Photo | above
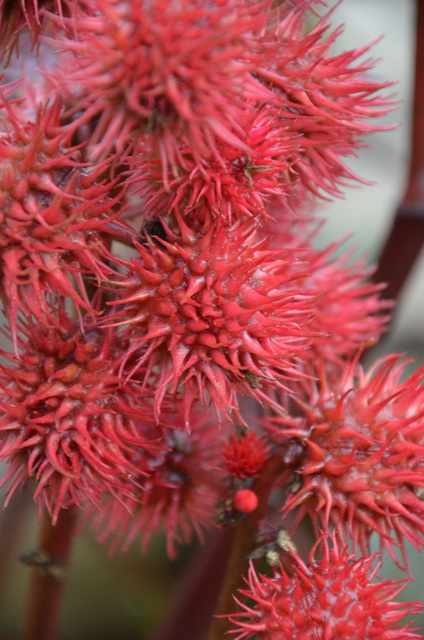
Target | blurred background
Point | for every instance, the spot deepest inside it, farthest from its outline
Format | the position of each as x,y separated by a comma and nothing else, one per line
124,597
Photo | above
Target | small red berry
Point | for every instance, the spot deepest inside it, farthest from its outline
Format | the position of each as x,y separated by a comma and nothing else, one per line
245,501
232,187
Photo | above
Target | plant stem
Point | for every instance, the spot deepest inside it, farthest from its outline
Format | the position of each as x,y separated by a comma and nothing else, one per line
196,594
47,578
243,544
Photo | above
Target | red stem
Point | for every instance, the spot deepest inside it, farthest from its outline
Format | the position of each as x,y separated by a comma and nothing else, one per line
415,189
47,579
406,237
196,594
243,544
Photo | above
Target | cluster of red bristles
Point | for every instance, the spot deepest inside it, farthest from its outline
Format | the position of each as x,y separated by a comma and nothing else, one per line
161,286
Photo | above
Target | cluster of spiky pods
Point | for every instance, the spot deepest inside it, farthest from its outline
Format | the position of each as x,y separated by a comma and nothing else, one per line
180,349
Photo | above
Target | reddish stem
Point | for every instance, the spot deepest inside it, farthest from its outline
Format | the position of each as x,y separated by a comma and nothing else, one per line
47,579
415,189
196,594
406,237
243,544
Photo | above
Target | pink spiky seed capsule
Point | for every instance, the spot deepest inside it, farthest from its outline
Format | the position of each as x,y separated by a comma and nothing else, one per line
362,469
54,216
178,72
68,420
330,598
179,494
214,311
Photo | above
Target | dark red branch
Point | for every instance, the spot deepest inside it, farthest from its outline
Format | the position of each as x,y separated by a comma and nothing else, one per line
244,543
196,594
48,573
407,234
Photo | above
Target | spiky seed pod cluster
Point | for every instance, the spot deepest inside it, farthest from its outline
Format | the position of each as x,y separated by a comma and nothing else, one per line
362,470
215,312
214,108
179,70
67,419
54,215
332,598
180,492
325,98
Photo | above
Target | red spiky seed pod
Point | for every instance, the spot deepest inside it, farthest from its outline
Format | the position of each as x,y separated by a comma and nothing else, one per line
15,15
216,312
331,598
234,186
324,98
178,70
362,469
54,216
67,419
349,313
245,455
179,495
